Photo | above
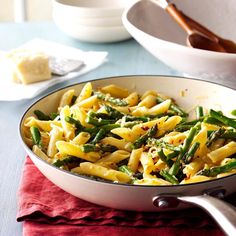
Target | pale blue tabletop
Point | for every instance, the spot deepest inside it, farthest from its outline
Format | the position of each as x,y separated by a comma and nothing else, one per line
125,58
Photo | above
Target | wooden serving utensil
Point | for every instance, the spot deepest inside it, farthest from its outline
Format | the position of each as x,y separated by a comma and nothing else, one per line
198,35
227,44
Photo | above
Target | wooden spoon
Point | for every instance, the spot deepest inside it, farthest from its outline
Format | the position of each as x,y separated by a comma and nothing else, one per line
195,39
198,35
227,44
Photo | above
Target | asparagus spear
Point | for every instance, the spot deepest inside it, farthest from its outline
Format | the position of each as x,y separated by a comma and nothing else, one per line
233,112
113,113
53,115
212,121
126,169
169,177
214,135
164,158
73,121
73,100
101,133
172,155
189,155
41,116
135,118
183,127
187,142
108,148
96,148
69,161
173,107
199,112
36,136
214,171
162,144
90,148
97,122
107,128
112,100
224,119
229,134
142,140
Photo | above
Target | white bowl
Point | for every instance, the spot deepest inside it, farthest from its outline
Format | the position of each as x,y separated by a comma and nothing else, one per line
156,31
94,34
92,21
85,21
92,8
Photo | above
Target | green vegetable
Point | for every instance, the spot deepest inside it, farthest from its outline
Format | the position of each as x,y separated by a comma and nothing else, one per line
125,169
136,118
53,115
90,119
106,128
229,134
90,148
108,148
233,112
36,136
214,171
224,119
130,124
214,135
41,116
70,162
73,121
172,155
143,139
199,112
113,113
112,100
100,135
96,148
164,158
169,177
162,144
73,100
174,107
187,142
189,155
212,121
183,127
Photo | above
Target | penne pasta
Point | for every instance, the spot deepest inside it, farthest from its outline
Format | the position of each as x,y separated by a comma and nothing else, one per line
66,98
68,129
56,134
75,150
85,93
88,168
125,136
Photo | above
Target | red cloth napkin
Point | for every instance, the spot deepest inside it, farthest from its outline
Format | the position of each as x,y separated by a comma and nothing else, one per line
45,209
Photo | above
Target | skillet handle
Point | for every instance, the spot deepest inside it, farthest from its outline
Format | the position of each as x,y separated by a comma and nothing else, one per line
223,213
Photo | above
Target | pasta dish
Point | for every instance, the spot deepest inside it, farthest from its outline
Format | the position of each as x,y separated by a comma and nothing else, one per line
112,134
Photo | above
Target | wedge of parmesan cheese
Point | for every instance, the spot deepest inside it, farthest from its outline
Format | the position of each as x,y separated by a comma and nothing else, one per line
27,66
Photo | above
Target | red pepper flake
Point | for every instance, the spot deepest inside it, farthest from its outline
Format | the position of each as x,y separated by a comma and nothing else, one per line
145,128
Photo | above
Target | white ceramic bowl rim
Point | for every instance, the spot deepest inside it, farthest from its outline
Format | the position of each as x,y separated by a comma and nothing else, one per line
93,5
103,181
192,51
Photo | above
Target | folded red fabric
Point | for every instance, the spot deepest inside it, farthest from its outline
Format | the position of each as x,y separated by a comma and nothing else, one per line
48,210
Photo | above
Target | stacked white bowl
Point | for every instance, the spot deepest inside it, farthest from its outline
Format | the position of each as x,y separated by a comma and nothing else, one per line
96,21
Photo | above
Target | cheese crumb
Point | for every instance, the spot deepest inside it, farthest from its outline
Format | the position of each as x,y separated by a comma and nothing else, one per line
27,66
